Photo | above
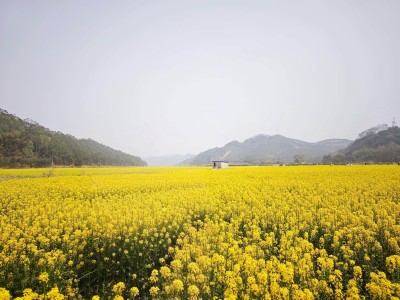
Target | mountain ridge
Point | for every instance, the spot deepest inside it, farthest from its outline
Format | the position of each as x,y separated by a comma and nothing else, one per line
269,149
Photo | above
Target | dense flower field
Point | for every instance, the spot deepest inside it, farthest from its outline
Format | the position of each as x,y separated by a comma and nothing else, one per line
309,232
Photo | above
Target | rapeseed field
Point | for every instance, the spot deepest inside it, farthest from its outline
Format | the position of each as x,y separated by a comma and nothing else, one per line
301,232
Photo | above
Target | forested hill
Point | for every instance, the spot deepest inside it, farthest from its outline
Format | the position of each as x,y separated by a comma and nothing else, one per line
25,143
372,146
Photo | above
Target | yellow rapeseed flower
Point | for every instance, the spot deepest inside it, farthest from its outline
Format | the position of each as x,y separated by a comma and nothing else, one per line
44,277
134,292
118,288
154,291
4,294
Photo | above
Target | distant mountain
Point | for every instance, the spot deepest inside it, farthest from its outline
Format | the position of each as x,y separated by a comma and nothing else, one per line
167,160
372,146
25,143
269,149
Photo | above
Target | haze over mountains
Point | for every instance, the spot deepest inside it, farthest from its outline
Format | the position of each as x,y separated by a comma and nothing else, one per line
25,143
167,160
378,144
269,149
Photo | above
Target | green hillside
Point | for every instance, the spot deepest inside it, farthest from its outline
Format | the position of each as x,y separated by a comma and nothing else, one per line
371,147
25,143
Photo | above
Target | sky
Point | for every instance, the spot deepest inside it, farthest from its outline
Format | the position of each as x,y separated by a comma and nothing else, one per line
173,77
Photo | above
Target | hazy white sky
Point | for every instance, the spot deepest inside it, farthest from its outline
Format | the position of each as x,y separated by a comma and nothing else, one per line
159,77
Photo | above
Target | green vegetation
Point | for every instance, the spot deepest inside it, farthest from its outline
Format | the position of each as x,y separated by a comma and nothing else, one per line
25,143
372,147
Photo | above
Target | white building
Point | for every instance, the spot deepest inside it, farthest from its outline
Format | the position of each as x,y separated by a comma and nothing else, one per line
220,164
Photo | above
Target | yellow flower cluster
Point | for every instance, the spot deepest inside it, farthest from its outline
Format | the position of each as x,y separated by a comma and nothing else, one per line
308,232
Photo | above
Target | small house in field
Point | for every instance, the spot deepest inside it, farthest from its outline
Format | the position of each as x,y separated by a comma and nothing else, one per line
220,164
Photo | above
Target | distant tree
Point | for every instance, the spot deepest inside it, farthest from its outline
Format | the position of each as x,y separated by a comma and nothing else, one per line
373,130
299,159
27,151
